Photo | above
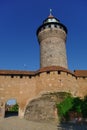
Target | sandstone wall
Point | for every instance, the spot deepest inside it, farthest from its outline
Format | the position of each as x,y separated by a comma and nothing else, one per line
52,47
17,88
52,81
82,82
26,88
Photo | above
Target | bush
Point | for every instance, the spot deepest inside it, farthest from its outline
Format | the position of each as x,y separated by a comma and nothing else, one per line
72,104
64,106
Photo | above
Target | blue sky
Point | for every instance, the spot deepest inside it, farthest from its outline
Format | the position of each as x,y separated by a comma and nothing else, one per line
19,20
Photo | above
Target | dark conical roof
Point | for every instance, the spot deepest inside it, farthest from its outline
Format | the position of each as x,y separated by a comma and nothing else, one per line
51,19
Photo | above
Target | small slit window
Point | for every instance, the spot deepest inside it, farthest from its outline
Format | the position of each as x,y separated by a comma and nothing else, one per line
55,26
49,26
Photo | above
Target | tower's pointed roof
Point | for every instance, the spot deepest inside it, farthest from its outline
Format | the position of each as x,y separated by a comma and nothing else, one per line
51,18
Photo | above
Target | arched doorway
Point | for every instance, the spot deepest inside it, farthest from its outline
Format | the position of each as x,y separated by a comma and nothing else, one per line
11,108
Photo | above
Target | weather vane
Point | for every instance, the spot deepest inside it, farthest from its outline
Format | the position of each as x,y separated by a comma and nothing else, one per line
50,11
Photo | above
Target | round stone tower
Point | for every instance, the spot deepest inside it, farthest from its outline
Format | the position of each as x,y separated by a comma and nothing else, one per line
52,38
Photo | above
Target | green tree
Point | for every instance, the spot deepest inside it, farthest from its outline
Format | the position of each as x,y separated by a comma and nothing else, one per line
77,105
84,107
14,108
65,106
72,104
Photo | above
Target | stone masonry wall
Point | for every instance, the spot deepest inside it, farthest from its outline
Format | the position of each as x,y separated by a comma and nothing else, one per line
44,108
82,82
52,47
26,88
17,88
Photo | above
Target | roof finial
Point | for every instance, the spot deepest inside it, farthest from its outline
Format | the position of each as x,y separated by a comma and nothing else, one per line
50,12
50,16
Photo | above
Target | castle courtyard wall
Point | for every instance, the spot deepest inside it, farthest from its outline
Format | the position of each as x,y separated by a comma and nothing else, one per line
82,82
26,88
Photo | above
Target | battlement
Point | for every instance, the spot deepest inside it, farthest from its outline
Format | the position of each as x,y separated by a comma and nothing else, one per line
48,70
51,26
30,84
34,73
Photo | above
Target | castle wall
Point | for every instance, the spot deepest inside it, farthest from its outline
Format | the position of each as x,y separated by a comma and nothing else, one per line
52,81
17,88
26,88
82,82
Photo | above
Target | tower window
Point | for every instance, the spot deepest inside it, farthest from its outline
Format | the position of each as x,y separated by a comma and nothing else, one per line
44,27
61,27
55,26
49,26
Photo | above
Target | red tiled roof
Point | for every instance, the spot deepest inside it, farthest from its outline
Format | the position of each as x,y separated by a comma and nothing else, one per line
55,68
45,69
16,72
80,73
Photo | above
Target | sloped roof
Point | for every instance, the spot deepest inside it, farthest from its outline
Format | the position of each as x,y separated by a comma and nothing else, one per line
80,73
77,73
45,69
16,72
55,68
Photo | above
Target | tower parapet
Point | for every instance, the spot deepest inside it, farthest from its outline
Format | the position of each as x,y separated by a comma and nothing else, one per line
52,38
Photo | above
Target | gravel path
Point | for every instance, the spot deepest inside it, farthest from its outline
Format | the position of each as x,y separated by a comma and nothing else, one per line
14,123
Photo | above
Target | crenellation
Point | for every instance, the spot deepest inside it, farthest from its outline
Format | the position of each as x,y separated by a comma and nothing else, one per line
43,74
63,73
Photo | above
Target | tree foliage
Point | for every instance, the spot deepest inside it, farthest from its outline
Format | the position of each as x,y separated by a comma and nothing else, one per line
77,105
74,104
84,107
14,108
65,106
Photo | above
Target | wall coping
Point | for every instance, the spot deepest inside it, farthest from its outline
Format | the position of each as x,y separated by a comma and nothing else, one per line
76,73
80,73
